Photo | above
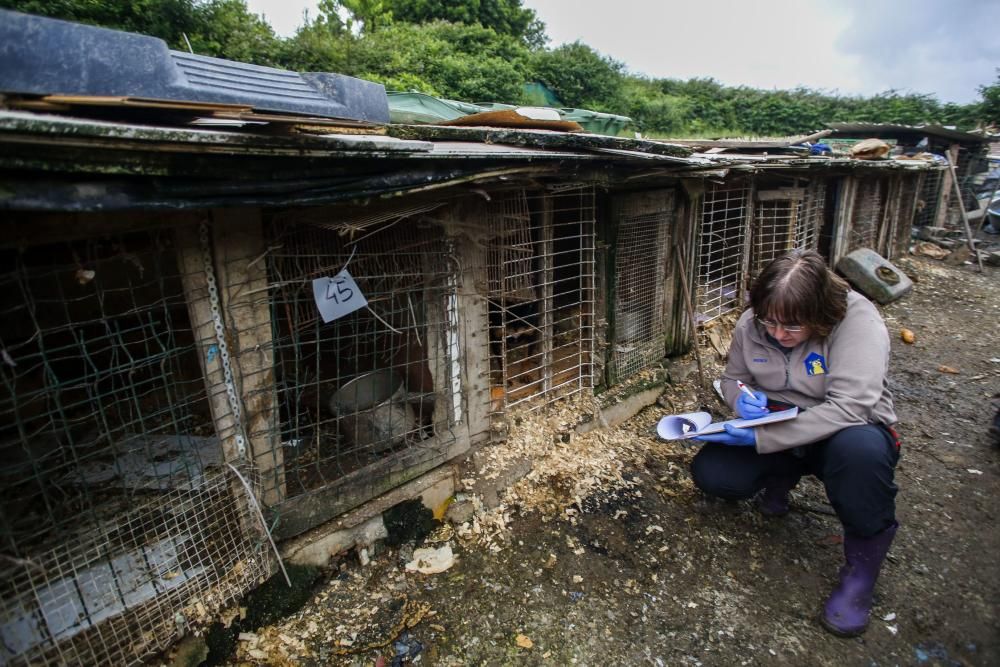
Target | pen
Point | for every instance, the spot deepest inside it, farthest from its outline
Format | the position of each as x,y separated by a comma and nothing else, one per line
745,389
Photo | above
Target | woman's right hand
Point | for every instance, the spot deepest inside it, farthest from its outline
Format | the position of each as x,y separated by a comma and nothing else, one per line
752,408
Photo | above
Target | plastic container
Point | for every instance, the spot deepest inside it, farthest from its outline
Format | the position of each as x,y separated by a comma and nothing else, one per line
373,412
874,276
596,122
43,56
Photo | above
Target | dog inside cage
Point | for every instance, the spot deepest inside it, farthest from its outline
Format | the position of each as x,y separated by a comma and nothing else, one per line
540,295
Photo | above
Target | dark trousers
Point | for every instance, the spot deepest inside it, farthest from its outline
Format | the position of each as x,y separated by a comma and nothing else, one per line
856,466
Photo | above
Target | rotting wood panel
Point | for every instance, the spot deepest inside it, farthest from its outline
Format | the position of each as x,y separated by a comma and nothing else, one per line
842,220
297,515
535,139
682,266
947,189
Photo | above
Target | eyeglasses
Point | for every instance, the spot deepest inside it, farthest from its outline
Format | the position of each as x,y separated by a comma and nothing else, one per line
771,324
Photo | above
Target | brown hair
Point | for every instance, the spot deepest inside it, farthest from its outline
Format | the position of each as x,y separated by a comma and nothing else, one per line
799,288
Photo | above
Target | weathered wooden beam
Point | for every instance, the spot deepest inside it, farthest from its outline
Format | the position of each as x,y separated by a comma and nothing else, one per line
191,262
241,272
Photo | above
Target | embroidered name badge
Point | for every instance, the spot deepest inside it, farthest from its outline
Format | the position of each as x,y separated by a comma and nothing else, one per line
815,364
760,360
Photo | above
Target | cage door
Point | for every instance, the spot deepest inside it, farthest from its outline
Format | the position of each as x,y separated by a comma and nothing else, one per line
638,298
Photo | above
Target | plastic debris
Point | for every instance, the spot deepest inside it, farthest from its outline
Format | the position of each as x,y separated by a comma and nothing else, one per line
431,561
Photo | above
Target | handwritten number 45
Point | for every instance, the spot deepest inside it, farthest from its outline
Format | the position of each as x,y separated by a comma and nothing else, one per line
338,292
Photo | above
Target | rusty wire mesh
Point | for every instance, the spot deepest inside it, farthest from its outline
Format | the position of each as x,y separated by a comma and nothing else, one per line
639,306
115,509
810,215
540,264
929,198
867,215
372,386
722,249
774,231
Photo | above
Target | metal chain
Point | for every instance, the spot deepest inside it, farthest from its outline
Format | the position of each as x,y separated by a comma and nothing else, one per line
220,337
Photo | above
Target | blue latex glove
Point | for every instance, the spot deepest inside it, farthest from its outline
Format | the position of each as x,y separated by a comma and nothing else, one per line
752,408
737,437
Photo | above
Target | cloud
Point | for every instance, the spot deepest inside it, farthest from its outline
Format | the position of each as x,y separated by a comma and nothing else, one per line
943,48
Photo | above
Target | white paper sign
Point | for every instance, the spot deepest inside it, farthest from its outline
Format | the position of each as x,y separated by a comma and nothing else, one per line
337,296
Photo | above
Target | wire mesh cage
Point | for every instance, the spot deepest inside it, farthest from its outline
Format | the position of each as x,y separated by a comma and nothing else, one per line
722,249
786,219
810,216
867,215
644,225
375,384
929,198
115,508
540,293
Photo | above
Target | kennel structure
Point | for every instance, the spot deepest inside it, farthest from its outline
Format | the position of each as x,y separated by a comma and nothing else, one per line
877,208
212,340
936,203
197,366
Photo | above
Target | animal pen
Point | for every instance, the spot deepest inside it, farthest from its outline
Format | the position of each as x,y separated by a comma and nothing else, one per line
184,382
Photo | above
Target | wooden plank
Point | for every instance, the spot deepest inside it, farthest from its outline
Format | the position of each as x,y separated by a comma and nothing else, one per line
843,219
297,515
945,193
241,273
192,267
142,102
782,194
473,318
545,290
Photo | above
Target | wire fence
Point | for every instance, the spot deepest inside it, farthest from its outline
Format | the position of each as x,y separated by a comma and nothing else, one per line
868,214
115,508
722,249
540,268
370,390
639,303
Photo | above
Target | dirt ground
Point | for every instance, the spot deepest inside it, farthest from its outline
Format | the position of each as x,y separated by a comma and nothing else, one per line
605,554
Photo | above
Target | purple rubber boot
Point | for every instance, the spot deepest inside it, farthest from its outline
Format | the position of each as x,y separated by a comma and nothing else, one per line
773,501
849,605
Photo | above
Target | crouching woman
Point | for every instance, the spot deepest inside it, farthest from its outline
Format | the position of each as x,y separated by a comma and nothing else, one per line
808,340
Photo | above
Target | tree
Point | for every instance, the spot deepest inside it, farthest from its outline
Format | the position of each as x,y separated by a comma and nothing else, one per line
989,108
362,16
322,44
506,17
222,28
227,29
580,76
166,19
463,62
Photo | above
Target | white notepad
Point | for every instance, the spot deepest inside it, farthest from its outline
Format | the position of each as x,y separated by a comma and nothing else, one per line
691,424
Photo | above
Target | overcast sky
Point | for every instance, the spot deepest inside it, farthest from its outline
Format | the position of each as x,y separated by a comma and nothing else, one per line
943,47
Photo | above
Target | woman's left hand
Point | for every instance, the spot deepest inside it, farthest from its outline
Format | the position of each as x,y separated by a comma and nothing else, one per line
737,437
